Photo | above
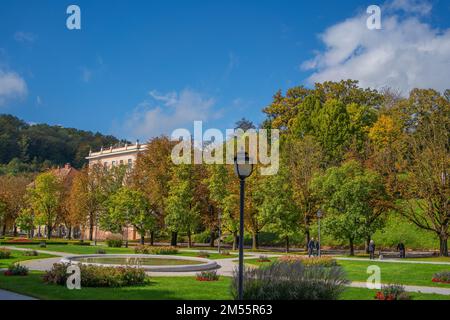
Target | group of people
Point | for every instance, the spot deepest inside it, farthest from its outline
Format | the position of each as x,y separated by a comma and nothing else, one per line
313,248
400,248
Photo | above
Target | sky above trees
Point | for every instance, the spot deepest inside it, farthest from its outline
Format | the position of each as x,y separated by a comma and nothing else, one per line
140,69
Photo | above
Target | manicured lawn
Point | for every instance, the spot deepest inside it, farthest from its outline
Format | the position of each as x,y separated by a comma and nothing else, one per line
159,288
17,256
404,273
255,262
75,249
80,249
365,294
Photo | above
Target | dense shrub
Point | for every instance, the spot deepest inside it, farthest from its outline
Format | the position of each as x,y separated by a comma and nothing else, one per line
155,250
16,270
263,258
208,276
313,261
114,241
392,292
5,254
291,281
80,243
203,254
30,253
97,276
442,277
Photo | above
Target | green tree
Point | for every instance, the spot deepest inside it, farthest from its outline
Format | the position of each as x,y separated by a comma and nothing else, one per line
26,221
278,207
130,207
182,210
354,200
45,199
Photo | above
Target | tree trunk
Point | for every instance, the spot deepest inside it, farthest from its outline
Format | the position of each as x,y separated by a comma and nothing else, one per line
367,244
211,241
235,240
152,238
352,248
69,233
443,246
143,238
15,230
308,237
174,240
287,244
254,241
49,232
91,231
4,229
189,239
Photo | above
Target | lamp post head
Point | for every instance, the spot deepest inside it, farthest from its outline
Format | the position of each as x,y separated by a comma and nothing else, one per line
243,166
319,213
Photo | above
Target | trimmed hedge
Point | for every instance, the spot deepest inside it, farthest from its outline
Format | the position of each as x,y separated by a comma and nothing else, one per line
97,276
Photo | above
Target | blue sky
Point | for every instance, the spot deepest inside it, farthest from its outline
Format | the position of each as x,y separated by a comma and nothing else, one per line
141,68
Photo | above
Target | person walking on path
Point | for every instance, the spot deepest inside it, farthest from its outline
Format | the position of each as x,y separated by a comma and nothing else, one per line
372,250
402,250
311,247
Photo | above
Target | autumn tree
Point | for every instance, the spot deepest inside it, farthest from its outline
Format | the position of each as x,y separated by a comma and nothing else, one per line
12,194
426,184
182,213
151,175
303,158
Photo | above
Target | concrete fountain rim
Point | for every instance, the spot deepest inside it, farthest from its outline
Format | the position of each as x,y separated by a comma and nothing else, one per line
206,264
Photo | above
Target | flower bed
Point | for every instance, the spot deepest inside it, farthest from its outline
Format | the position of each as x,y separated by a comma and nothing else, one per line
16,270
442,277
392,292
208,276
5,254
314,261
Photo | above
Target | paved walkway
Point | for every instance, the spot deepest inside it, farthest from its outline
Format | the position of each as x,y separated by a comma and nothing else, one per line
7,295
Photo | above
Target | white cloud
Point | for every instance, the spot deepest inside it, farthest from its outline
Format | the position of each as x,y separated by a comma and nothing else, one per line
167,112
405,54
11,86
421,7
25,37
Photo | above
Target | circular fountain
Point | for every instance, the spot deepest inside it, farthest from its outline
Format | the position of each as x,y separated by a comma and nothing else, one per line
152,263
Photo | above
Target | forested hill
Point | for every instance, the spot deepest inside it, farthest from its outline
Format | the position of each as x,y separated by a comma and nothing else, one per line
29,148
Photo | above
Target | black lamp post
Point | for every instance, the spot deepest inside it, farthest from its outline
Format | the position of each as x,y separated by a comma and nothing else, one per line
243,168
319,215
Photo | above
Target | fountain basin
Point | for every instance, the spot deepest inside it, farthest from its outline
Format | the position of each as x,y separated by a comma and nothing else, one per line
151,263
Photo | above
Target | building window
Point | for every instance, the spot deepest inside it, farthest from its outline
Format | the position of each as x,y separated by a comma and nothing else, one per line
121,162
130,163
113,163
105,165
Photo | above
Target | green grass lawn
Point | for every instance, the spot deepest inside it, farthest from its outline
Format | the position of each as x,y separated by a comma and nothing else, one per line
75,249
159,288
17,256
404,273
365,294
